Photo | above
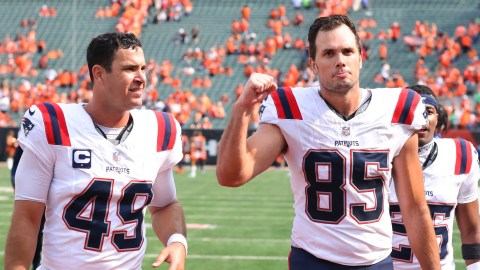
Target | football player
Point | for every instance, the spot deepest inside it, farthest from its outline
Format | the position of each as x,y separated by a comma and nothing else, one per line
95,168
451,173
342,144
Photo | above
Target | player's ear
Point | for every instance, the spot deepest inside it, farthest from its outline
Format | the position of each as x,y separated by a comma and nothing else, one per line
312,65
97,71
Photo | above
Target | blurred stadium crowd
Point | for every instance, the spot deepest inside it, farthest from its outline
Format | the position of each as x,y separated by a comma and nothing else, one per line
197,62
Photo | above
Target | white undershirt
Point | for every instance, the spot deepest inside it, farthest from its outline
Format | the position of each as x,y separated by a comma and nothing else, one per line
424,151
111,133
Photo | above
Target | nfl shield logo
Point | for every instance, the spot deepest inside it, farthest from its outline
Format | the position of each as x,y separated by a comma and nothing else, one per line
116,156
345,131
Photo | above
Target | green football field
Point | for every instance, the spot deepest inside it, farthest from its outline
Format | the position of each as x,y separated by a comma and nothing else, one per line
228,228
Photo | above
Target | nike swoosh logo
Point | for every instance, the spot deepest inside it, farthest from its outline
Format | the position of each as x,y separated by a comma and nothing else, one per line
31,112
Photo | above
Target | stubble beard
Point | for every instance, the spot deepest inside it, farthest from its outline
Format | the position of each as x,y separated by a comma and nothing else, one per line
339,87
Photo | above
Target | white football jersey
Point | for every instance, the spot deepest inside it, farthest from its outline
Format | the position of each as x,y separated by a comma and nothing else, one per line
451,179
341,170
97,196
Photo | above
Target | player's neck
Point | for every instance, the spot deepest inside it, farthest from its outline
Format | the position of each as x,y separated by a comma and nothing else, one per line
353,105
427,154
106,118
345,104
425,149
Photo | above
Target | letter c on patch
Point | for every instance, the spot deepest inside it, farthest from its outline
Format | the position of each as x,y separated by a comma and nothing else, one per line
81,158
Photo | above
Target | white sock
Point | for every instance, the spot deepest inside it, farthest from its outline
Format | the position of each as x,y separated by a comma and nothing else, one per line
193,172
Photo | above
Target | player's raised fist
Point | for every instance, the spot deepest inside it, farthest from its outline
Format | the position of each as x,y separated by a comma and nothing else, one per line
257,88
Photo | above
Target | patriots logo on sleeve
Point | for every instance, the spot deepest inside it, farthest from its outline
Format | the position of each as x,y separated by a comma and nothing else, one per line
27,125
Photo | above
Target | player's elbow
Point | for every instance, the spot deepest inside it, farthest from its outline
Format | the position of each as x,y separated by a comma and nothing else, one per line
228,179
229,183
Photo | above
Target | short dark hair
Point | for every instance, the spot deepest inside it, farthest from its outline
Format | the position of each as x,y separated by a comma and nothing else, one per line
443,121
102,49
422,90
327,24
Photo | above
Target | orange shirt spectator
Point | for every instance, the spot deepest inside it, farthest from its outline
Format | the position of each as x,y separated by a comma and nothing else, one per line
460,89
236,27
53,12
207,83
282,11
109,12
176,83
390,83
100,12
299,19
244,25
245,12
270,46
398,80
274,14
383,51
299,44
465,119
395,30
445,59
277,27
196,82
64,79
230,46
248,70
54,54
466,43
206,124
44,11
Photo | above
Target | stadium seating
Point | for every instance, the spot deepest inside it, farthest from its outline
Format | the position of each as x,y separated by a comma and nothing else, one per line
75,24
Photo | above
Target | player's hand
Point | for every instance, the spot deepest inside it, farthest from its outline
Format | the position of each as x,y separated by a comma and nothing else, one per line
257,88
174,254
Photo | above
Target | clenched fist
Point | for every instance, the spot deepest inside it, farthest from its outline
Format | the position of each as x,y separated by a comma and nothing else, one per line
257,88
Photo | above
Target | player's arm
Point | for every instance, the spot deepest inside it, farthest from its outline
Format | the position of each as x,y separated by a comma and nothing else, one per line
28,211
168,222
22,237
410,190
469,226
240,159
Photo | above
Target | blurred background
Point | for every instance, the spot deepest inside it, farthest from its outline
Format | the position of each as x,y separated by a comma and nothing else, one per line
200,52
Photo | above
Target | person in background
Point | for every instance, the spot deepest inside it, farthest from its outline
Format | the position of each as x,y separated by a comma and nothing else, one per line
451,173
198,154
343,144
10,145
186,154
95,168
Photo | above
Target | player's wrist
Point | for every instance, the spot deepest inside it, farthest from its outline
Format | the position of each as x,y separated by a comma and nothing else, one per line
178,238
474,266
243,109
